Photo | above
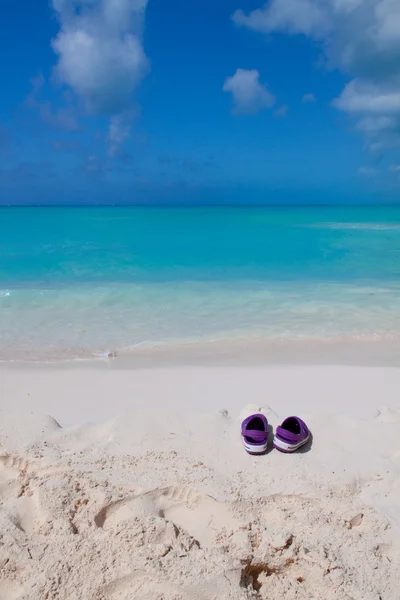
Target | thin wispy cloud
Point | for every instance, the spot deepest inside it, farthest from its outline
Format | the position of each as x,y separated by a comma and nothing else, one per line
248,94
94,166
187,163
27,171
309,98
368,171
119,131
282,111
68,146
64,117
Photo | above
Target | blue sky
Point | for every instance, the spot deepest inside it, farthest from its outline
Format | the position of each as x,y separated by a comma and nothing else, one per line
136,101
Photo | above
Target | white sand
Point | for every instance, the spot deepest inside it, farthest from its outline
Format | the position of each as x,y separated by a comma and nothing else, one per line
162,502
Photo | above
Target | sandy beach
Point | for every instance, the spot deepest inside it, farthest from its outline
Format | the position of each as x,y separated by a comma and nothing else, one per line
200,300
127,483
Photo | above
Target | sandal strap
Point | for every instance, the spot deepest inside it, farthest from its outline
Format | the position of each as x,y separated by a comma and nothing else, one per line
255,434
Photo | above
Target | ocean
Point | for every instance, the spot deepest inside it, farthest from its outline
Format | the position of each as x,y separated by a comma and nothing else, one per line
81,282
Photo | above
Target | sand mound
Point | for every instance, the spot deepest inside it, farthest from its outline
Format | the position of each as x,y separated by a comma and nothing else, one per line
81,519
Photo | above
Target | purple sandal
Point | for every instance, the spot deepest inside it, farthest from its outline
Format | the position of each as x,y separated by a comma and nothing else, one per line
291,435
255,434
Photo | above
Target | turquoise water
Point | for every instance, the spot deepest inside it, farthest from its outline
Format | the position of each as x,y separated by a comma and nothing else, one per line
82,281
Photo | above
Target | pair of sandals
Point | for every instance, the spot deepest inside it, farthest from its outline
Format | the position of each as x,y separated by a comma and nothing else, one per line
289,437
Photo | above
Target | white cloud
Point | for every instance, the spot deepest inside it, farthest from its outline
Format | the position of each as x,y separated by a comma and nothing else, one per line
371,125
307,98
292,16
360,37
100,52
395,168
362,96
249,95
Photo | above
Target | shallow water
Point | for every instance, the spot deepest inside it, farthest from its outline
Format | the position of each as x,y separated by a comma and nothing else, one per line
81,281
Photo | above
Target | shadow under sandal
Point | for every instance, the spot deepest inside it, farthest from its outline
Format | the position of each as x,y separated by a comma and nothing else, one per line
291,435
255,434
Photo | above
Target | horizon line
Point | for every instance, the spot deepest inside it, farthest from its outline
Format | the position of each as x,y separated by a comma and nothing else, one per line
211,205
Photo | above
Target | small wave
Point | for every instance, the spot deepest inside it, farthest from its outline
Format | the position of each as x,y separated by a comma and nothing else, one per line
5,293
352,226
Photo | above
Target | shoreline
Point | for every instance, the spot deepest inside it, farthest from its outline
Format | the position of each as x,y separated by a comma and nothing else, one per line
235,353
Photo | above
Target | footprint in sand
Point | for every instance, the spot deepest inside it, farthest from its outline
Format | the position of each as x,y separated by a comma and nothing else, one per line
148,586
26,514
140,584
201,516
16,463
12,465
11,469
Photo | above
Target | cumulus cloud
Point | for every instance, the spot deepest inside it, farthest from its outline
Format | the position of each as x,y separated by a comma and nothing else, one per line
100,52
249,95
363,96
360,37
293,16
372,124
